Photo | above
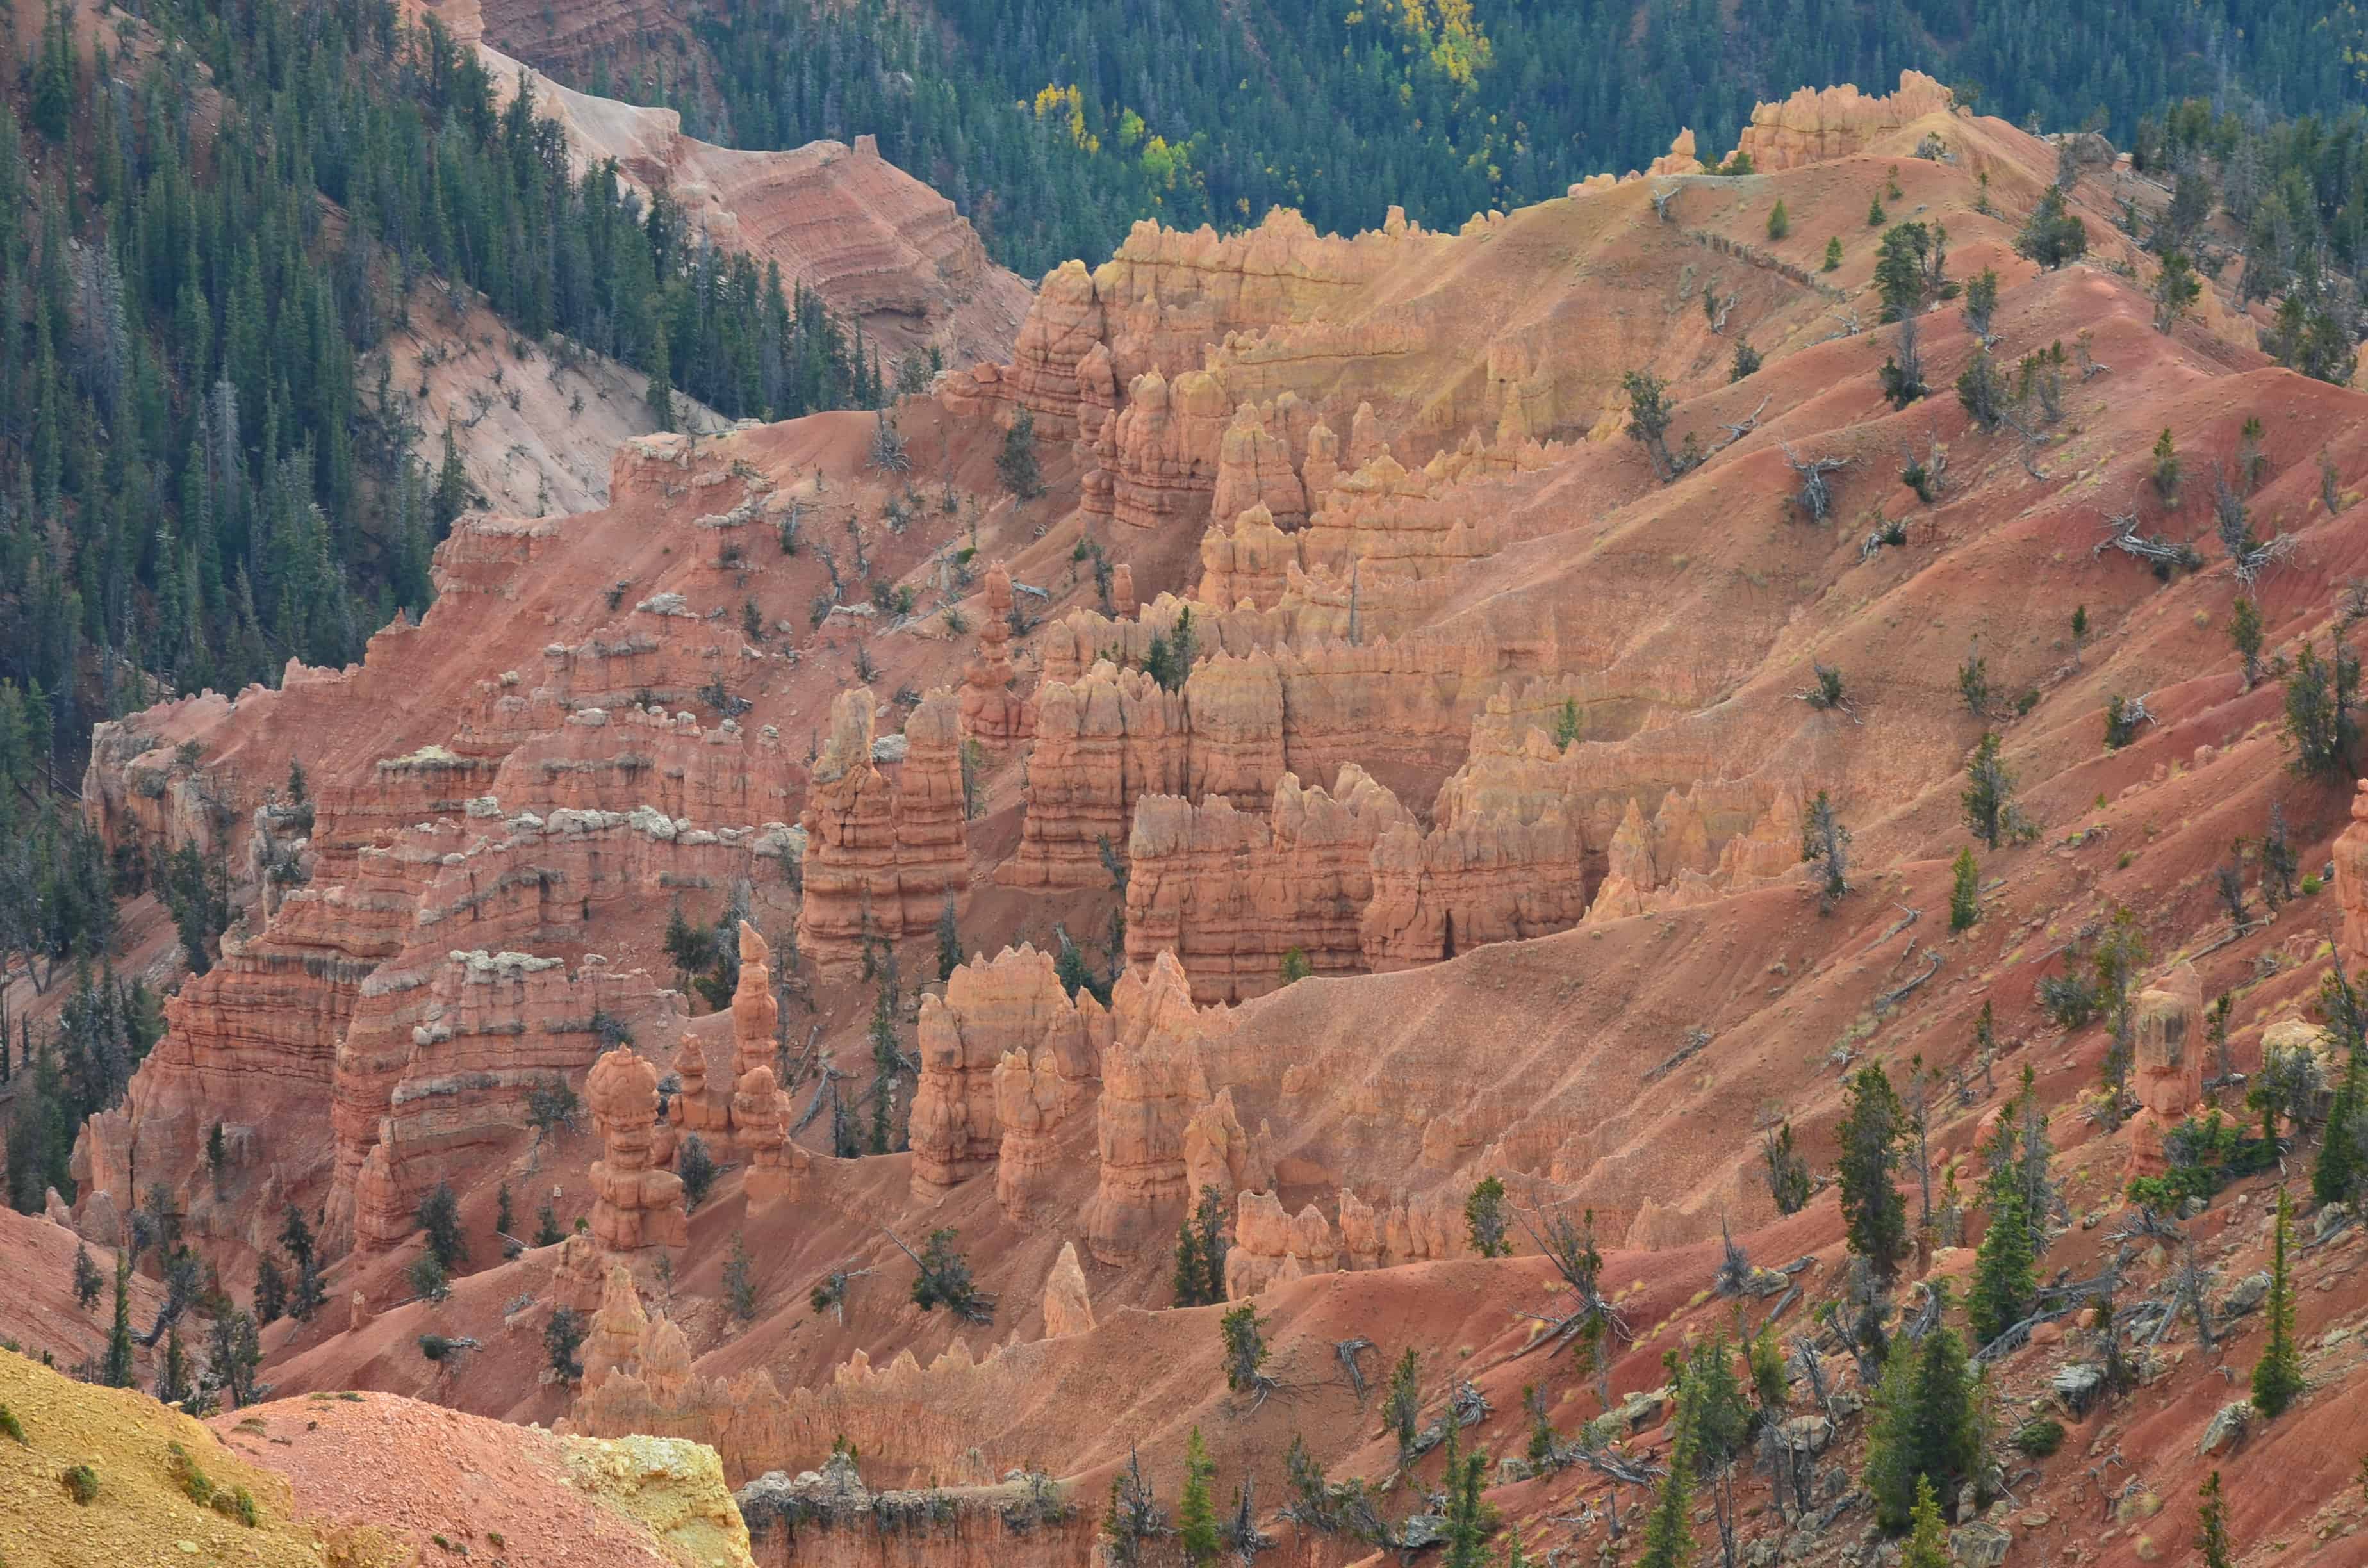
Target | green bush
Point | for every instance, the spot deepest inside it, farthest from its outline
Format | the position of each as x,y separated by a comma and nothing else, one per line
2040,1438
81,1484
9,1425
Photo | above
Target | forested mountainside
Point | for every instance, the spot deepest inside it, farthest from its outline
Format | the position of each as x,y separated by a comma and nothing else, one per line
1056,124
207,225
211,216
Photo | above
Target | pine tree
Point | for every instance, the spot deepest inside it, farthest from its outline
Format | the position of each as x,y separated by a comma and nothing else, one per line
2004,1289
950,954
1196,1513
270,1292
2212,1525
296,1239
1190,1271
172,1377
1780,222
739,1280
1017,464
117,1371
1833,255
1668,1537
1468,1519
439,1217
660,394
1927,1538
1483,1218
2277,1377
87,1281
1927,1426
1403,1404
1988,796
1873,1213
1964,892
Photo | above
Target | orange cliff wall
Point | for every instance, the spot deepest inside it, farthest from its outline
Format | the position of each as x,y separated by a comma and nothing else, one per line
1231,892
883,855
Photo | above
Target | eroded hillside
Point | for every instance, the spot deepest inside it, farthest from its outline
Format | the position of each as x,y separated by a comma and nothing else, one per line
1375,773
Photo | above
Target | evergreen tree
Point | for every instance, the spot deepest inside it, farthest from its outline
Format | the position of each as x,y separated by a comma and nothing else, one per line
270,1292
2212,1525
1668,1534
698,1170
2053,235
116,1372
1988,796
1926,1428
439,1217
87,1281
1874,1214
1468,1519
739,1280
1017,464
1196,1513
2004,1289
172,1377
1483,1218
296,1239
660,392
1403,1404
1964,892
1927,1538
1833,255
949,953
2277,1377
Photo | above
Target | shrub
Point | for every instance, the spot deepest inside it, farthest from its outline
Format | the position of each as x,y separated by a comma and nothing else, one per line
562,1337
696,1168
2040,1438
427,1278
10,1427
194,1483
81,1482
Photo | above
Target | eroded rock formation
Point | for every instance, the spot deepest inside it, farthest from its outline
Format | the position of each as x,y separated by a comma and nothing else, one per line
2167,1062
1815,124
991,713
634,1204
882,854
1232,893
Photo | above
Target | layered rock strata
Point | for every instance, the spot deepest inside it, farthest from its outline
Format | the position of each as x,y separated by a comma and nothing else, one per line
1232,893
882,854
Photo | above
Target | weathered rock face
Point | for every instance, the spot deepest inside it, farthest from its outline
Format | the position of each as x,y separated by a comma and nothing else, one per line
1379,530
881,851
1483,878
1220,1157
1067,1308
1273,1247
2352,881
1260,706
1815,124
1102,742
445,1058
2167,1063
1038,1093
1230,893
1152,1079
634,1204
740,1105
991,713
1256,466
1013,1008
